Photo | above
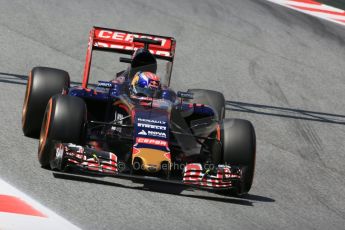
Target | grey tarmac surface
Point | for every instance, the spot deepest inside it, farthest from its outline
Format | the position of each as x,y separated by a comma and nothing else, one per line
280,69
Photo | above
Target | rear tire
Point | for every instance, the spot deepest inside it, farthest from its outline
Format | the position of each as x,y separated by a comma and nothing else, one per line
64,121
43,83
211,98
239,149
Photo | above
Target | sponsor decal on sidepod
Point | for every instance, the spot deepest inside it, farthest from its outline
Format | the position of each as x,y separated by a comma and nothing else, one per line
151,121
157,134
149,126
142,132
143,140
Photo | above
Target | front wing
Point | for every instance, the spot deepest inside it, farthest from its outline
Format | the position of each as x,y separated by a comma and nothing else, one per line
102,163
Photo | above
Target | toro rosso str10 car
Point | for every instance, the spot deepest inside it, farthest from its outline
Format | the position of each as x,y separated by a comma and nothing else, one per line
135,125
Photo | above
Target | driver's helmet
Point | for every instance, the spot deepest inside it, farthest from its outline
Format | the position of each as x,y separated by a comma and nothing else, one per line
145,84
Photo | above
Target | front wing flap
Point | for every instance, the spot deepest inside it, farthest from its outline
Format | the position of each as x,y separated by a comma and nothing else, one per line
87,159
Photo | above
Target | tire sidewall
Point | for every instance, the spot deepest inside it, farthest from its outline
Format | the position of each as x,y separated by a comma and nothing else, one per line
239,148
66,123
43,83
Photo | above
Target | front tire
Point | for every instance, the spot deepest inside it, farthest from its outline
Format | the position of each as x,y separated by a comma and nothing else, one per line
43,83
239,149
64,121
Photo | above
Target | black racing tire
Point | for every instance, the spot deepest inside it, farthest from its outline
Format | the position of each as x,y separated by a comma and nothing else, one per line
239,149
211,98
64,121
43,83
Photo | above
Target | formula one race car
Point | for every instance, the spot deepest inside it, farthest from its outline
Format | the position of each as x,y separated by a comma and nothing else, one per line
135,125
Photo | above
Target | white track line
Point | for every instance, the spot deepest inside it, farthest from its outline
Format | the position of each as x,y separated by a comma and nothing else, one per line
13,203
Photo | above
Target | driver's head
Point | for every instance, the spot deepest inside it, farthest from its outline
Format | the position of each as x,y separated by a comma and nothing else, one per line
145,84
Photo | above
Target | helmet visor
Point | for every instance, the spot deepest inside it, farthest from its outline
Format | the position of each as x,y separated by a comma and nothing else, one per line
146,92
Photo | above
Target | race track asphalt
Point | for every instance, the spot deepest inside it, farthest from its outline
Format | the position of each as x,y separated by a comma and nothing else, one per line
281,69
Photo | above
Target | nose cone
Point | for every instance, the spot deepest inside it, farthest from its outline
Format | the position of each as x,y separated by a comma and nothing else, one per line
151,159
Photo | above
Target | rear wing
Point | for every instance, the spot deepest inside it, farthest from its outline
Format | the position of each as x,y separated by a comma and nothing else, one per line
121,41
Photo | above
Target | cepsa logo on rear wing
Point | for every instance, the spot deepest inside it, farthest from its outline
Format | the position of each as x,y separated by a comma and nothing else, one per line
122,41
